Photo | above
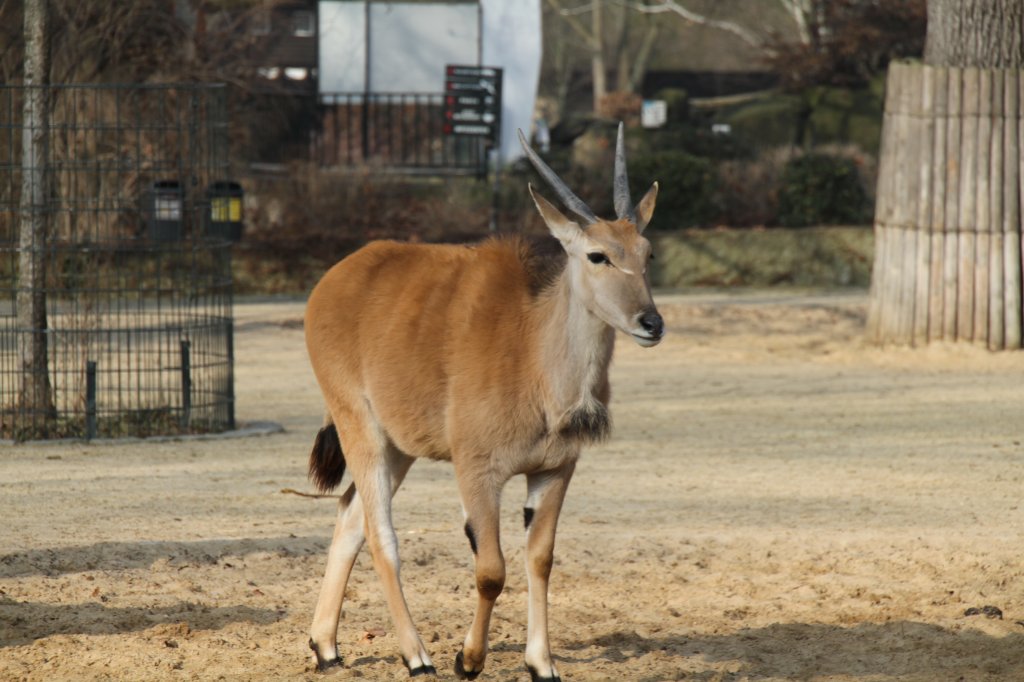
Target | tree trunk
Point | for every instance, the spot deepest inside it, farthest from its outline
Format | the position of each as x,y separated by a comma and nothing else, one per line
948,215
597,69
987,34
36,410
187,16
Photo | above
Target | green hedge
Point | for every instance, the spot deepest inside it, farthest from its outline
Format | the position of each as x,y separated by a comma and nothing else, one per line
821,189
687,187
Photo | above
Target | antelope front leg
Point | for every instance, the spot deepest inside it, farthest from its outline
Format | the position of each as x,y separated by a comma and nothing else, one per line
481,504
546,490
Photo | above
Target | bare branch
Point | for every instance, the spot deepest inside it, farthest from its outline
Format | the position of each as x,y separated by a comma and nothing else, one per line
573,22
675,8
640,60
800,11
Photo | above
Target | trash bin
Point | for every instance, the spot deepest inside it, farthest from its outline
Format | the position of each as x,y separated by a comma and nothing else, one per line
224,219
165,211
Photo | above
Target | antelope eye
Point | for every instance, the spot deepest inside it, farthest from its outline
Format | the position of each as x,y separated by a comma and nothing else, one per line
597,258
651,256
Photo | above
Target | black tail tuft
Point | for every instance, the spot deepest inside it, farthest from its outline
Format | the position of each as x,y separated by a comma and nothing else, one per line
326,461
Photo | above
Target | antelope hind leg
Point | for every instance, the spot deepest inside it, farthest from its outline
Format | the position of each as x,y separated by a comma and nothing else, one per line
349,537
373,475
348,540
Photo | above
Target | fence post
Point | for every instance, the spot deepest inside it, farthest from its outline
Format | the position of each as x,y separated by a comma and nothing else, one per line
90,399
186,384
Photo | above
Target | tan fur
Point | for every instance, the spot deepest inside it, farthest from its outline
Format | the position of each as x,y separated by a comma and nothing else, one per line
482,355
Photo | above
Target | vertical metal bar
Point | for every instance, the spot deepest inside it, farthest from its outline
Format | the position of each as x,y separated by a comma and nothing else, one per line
403,103
366,84
231,373
343,126
347,129
90,399
186,384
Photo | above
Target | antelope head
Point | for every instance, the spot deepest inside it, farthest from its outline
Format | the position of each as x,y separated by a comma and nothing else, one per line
608,259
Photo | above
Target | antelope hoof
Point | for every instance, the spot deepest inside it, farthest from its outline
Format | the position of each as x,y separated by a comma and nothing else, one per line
460,669
422,670
322,664
535,676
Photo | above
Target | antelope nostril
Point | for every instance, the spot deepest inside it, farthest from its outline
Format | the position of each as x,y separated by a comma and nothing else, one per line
652,323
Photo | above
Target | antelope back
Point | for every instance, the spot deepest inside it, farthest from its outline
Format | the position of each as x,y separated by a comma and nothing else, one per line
408,329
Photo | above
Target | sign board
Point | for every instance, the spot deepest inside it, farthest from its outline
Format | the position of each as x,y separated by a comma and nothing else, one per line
654,113
472,101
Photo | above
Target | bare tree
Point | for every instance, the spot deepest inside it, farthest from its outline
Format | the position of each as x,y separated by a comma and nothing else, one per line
744,34
609,39
35,395
594,39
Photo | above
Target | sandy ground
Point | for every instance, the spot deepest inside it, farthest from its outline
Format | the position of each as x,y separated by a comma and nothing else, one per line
778,502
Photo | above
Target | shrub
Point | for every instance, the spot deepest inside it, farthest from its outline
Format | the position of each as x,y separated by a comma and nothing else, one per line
748,191
300,223
822,189
687,187
677,101
764,123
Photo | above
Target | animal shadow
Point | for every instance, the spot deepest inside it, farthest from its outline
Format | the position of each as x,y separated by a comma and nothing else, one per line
893,650
25,622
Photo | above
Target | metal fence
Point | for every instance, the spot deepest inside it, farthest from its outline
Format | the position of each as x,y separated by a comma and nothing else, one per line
135,283
403,131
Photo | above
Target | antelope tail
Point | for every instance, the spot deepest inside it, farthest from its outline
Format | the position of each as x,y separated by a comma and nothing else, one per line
326,461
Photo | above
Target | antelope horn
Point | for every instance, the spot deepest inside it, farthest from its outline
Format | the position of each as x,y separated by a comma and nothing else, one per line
623,203
571,201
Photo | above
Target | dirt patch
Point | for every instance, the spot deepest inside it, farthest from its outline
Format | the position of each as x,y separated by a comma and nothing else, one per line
778,502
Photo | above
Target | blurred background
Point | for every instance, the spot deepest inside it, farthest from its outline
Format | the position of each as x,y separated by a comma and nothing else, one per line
755,115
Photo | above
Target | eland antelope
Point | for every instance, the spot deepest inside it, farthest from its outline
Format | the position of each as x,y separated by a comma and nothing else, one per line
494,357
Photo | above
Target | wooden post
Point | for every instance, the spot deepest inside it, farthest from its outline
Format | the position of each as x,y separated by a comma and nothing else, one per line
948,261
881,290
967,227
996,297
937,226
925,133
905,217
982,214
952,206
1013,191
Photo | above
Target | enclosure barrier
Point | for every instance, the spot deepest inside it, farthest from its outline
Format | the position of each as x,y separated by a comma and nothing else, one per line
403,131
947,218
135,275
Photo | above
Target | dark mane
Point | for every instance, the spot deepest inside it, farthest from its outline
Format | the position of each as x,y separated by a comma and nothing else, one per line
544,260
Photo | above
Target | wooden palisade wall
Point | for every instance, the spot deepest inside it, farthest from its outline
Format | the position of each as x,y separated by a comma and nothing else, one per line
948,214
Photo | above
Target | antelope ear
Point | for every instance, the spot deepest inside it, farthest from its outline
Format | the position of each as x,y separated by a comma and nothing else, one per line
565,230
645,209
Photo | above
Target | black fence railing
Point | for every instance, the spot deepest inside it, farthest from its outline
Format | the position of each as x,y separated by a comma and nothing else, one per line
402,131
115,291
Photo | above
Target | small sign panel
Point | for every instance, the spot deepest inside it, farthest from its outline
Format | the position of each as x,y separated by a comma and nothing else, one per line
653,113
472,101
